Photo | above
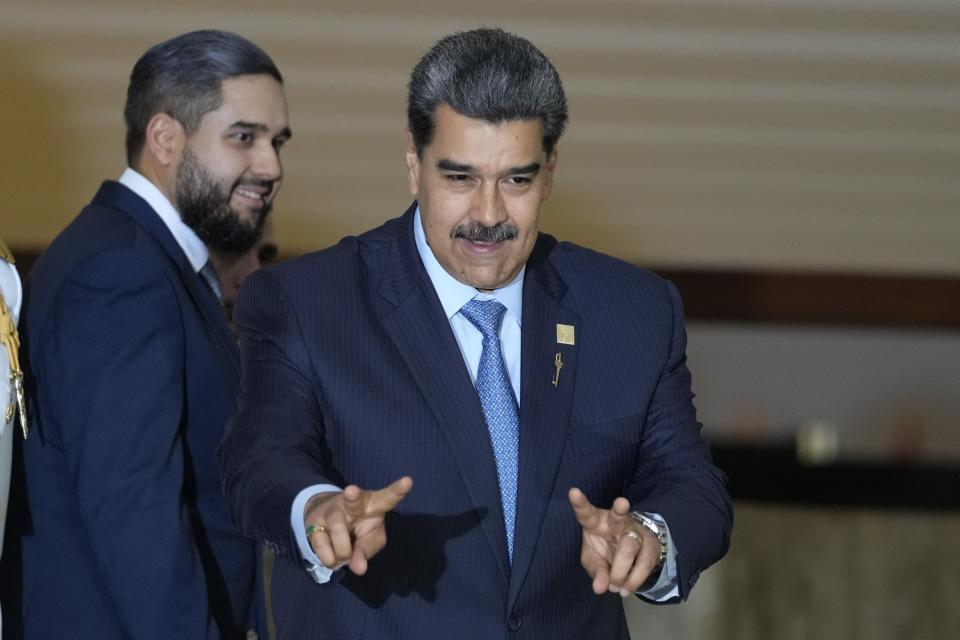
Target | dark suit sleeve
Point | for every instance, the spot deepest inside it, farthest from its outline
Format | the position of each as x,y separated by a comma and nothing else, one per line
273,447
114,349
675,476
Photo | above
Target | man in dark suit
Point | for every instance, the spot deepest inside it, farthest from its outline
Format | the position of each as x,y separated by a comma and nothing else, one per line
497,384
134,370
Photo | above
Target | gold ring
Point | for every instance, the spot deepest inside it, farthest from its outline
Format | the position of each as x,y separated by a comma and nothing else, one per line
636,536
312,529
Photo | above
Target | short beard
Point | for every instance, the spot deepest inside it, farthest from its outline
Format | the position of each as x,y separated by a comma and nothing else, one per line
206,210
476,232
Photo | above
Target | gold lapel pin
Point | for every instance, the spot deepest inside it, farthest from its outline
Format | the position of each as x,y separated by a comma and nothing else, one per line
565,334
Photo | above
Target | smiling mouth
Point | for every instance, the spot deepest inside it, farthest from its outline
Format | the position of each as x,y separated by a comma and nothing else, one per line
480,248
255,196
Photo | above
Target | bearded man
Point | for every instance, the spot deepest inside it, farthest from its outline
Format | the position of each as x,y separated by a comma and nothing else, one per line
133,369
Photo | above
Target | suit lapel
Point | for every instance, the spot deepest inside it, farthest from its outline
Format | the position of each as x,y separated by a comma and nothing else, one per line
212,313
412,316
544,408
117,196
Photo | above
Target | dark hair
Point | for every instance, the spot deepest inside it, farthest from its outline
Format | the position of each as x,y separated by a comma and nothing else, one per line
487,74
182,77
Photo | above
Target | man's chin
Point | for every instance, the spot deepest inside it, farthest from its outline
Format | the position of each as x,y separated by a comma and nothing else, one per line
484,280
232,240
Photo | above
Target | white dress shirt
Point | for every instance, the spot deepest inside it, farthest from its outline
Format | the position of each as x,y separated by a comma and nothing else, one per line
192,245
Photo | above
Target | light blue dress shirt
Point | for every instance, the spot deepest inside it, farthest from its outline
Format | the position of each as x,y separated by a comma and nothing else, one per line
453,295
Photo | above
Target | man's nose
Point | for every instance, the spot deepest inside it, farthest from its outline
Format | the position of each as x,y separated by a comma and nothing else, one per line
488,206
267,164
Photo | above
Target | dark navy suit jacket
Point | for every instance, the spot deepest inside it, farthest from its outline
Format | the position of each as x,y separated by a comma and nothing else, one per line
134,375
352,374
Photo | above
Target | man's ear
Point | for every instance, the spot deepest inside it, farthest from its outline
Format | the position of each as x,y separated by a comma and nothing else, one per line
165,139
413,164
548,176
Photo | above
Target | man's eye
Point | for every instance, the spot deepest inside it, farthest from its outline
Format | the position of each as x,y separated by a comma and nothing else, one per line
457,177
519,180
243,136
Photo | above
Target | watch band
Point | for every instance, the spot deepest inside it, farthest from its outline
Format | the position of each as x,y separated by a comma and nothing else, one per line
660,531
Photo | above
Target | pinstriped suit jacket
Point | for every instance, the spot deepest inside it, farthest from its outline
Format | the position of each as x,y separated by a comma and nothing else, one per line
351,374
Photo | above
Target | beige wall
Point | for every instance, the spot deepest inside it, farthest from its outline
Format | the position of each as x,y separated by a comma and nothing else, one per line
781,134
885,393
799,573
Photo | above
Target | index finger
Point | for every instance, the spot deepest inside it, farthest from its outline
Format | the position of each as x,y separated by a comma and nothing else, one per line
587,515
386,499
378,502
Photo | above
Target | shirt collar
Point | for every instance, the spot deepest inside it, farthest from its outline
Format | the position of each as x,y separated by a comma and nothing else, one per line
188,240
453,293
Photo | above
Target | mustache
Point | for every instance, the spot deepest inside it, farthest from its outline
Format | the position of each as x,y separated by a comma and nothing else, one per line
477,232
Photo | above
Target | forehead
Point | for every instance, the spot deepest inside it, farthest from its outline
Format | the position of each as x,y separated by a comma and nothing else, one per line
257,98
458,137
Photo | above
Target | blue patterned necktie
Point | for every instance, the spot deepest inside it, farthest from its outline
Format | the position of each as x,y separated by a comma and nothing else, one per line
499,405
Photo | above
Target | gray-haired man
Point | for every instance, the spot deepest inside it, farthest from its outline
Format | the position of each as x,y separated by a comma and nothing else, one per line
494,381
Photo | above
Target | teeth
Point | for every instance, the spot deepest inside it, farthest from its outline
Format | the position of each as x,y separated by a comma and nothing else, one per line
250,194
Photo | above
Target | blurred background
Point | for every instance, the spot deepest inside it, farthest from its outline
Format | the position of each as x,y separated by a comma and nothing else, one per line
791,164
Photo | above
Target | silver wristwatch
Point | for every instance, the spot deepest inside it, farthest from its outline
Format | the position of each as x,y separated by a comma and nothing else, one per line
660,531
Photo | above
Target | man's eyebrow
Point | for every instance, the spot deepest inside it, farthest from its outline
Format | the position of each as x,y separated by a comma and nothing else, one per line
445,164
533,167
242,124
285,134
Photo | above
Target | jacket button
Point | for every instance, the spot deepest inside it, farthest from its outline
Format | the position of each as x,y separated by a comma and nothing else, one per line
514,623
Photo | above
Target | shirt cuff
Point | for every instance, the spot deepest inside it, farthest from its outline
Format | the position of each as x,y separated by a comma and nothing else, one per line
667,586
315,568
